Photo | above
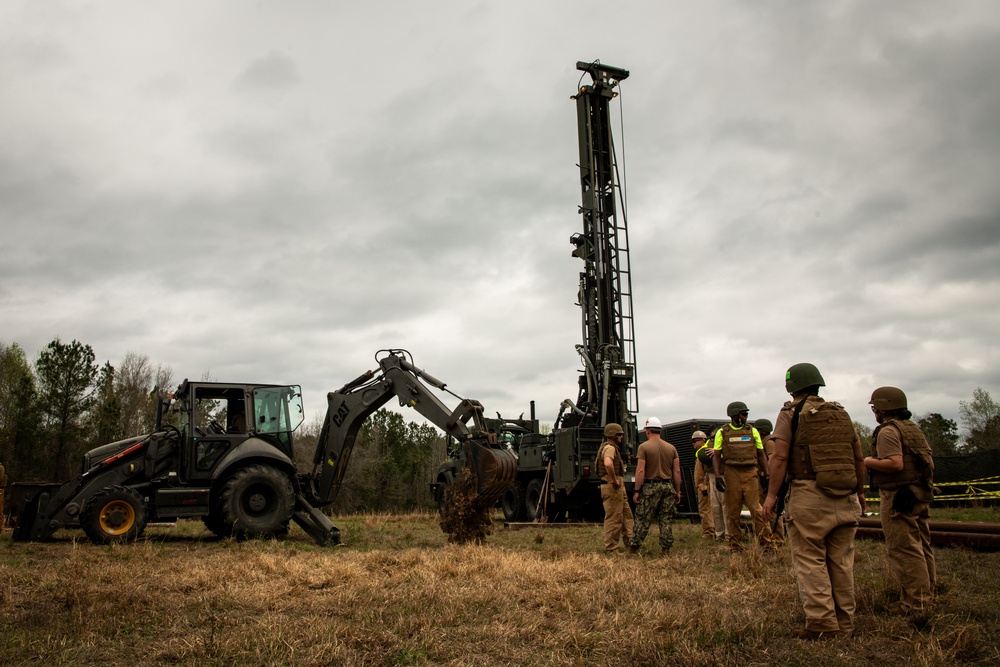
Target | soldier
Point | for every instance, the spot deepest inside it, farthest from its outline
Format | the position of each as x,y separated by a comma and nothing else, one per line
715,493
703,483
618,520
764,427
902,467
657,487
819,450
738,446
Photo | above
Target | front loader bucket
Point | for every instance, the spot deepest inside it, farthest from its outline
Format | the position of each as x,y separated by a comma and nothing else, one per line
495,470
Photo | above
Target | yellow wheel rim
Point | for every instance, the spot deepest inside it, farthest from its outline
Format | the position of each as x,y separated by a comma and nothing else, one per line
117,517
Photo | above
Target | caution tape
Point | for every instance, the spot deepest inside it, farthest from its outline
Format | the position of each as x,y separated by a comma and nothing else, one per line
973,489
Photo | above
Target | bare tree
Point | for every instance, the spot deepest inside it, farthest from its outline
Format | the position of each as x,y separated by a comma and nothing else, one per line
133,383
981,417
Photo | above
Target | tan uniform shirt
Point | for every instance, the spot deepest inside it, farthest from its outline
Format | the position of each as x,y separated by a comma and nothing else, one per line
889,443
659,459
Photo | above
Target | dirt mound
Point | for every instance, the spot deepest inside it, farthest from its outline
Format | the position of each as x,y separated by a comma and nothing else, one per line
464,518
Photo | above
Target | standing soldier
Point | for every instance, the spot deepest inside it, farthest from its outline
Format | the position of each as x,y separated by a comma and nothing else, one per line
702,482
657,487
902,467
739,448
715,490
819,450
618,520
764,427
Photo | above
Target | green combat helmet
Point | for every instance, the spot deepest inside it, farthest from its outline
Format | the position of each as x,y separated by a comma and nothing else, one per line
801,376
888,398
763,425
612,429
736,407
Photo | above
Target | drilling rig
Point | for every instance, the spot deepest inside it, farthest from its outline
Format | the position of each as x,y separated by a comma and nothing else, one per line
556,478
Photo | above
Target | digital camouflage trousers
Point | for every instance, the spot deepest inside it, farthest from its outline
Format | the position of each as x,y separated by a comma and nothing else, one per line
657,500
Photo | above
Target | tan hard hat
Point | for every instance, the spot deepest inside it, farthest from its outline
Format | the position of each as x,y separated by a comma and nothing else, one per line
699,435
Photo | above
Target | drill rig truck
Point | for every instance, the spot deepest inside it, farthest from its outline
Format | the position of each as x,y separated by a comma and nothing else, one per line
556,475
228,459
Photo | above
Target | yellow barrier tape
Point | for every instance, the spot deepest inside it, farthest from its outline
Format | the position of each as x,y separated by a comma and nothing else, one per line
973,490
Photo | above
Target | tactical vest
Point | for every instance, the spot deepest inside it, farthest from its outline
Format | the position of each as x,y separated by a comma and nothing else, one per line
918,466
822,447
616,458
739,448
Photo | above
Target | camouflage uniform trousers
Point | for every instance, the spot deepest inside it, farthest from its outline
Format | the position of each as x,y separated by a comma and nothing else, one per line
657,500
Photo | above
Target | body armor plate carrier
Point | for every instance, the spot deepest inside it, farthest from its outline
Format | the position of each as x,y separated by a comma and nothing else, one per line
823,447
918,466
739,448
602,471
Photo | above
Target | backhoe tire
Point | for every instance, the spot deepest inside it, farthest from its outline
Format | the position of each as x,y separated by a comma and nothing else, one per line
512,502
533,499
114,515
258,501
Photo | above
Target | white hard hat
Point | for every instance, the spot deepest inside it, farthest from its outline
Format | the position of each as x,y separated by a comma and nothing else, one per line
699,435
653,422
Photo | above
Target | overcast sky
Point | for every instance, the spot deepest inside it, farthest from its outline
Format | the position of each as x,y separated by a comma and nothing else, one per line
273,191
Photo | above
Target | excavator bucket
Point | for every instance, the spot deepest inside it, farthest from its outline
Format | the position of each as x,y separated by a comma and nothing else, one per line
495,470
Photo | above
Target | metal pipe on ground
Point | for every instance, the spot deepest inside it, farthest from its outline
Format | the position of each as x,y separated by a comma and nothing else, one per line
943,526
944,533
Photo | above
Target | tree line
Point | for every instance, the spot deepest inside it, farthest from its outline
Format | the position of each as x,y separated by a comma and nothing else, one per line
63,403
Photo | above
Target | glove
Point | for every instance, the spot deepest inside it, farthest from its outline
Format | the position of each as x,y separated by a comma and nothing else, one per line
720,485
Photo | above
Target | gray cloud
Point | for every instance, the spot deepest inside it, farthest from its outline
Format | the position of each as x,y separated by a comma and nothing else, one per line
806,182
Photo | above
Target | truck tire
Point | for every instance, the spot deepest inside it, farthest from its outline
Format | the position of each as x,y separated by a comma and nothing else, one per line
258,501
114,515
533,499
512,502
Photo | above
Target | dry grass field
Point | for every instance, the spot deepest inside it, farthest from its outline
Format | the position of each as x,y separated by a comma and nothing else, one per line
399,594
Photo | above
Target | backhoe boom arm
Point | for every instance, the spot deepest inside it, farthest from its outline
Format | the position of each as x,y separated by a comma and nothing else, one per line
352,404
